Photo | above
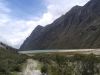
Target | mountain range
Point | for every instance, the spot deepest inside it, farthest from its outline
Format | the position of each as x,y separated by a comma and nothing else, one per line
77,29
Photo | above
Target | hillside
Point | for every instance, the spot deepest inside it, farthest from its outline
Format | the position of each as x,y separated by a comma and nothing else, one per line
10,60
78,28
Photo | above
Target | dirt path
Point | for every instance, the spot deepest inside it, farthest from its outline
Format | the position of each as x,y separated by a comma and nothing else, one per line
32,68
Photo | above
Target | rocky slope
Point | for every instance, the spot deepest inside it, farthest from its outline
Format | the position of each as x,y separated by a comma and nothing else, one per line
78,28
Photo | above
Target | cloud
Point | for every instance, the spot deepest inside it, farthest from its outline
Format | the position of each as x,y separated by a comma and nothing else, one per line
14,32
3,13
59,7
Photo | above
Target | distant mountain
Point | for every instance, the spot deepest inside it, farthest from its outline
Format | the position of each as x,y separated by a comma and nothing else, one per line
78,28
6,47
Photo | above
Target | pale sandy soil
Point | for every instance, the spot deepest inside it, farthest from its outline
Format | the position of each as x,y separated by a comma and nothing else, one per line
32,68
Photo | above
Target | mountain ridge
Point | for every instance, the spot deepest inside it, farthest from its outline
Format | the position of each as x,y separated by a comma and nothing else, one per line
78,28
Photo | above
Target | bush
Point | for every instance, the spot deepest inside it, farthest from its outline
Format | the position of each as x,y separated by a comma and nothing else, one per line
10,61
44,69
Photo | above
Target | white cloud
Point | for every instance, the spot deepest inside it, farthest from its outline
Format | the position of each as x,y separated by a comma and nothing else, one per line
15,31
3,13
59,7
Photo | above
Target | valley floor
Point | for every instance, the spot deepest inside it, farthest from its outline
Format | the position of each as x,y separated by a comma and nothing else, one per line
67,51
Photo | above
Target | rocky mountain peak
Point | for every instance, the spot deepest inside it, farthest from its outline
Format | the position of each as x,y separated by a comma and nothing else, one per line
39,27
78,28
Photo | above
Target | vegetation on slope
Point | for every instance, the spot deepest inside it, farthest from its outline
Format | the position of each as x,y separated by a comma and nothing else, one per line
10,61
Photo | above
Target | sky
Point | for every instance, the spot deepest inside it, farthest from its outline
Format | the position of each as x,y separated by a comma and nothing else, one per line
18,18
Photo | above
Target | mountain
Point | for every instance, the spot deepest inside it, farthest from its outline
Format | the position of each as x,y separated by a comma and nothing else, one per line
78,28
5,46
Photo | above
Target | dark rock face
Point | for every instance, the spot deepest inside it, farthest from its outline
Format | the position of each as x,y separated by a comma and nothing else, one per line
78,28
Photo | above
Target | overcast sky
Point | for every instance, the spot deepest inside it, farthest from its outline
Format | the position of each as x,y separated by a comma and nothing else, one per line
19,17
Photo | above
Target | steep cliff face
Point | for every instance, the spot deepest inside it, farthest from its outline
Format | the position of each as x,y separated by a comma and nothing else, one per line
78,28
34,35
